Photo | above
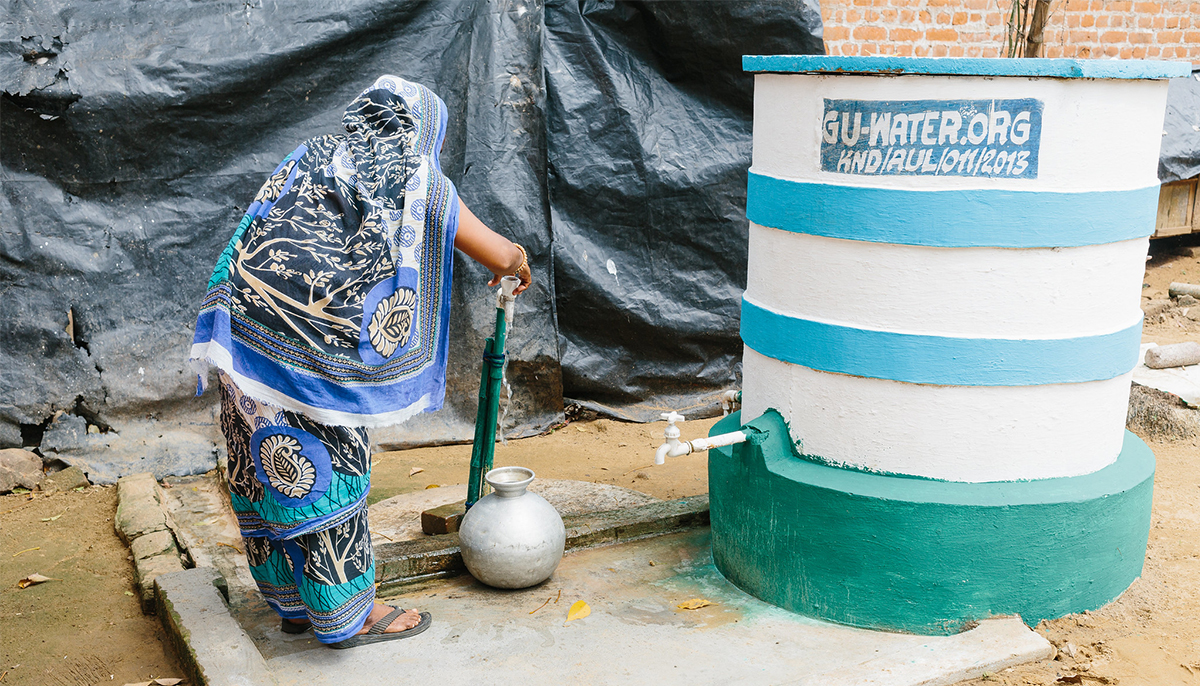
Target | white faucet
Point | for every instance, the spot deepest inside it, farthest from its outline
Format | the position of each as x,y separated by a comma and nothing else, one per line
673,447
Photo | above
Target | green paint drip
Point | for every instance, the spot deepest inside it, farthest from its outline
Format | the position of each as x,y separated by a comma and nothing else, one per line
921,555
798,452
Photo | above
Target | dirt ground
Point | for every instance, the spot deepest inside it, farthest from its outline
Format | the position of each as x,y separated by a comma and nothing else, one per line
601,451
86,627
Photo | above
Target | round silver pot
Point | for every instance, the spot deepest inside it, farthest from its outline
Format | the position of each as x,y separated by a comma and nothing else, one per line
511,538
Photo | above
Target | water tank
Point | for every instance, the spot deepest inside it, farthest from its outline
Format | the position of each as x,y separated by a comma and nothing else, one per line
941,316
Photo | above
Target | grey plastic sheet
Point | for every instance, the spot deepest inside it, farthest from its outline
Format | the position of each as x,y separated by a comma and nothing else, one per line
1179,156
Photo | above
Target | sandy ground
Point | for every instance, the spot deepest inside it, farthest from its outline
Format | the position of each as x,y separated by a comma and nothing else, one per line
602,451
86,628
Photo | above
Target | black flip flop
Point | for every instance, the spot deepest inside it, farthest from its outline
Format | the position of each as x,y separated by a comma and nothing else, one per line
293,628
376,633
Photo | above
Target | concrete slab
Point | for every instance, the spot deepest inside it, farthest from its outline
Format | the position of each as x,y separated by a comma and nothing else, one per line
428,557
139,507
199,513
210,644
636,633
205,526
1181,381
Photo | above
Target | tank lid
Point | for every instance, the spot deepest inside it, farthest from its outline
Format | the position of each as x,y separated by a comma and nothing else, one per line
887,65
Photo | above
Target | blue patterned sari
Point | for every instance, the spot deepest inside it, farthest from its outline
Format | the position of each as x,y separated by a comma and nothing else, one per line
327,314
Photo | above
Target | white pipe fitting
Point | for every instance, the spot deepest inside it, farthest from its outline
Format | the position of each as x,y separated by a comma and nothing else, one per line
505,299
671,445
730,401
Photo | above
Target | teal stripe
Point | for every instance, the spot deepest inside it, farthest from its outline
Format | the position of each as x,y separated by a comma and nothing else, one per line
941,360
917,555
1036,67
952,218
221,271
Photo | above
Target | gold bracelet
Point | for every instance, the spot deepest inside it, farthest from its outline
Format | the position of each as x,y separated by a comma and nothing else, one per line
524,259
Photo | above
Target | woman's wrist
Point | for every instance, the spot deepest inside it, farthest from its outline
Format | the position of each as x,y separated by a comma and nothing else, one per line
523,264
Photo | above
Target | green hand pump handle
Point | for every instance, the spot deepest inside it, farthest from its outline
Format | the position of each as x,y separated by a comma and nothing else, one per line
484,447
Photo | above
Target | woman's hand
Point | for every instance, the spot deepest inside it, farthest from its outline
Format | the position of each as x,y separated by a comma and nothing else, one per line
501,256
524,273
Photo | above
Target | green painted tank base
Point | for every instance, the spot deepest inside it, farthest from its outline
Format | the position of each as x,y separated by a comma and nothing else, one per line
918,555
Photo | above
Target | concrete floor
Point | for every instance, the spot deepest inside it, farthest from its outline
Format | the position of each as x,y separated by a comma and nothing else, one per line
635,634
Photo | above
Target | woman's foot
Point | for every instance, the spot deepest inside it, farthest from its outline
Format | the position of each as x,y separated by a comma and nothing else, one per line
385,623
405,621
295,626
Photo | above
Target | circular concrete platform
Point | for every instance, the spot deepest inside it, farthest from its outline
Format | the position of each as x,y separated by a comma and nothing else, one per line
898,553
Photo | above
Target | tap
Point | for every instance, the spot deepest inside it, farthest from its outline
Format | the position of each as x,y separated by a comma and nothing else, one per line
672,446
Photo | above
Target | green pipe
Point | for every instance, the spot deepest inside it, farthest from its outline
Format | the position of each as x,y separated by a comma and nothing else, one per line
475,481
492,376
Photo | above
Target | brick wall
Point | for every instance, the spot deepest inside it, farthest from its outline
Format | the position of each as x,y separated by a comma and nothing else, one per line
975,28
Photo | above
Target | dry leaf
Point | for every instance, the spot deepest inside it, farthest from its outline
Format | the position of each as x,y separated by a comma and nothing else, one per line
579,610
140,683
693,604
51,519
414,471
168,682
33,580
432,486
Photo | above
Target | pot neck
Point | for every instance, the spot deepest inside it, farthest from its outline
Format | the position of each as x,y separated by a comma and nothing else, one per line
509,482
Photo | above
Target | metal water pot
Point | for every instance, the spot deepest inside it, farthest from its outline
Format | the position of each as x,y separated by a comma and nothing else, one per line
511,538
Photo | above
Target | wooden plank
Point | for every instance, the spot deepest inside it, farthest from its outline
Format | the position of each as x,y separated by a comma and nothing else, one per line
1176,208
1195,215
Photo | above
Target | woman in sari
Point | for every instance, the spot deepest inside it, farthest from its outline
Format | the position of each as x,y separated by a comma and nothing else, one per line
327,315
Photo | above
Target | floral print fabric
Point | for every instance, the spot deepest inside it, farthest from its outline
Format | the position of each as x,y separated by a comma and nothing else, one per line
332,297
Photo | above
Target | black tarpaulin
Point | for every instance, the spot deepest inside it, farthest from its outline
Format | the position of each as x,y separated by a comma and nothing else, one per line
1179,157
611,139
648,131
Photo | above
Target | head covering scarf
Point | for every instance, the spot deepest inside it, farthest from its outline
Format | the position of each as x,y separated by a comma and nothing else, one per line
332,298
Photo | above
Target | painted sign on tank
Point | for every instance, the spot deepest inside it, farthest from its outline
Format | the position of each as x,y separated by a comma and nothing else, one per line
985,138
